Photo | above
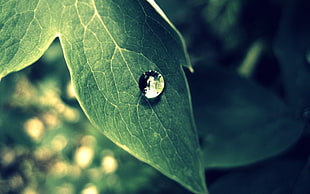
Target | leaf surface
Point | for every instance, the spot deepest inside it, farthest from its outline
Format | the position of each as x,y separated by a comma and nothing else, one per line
108,45
26,31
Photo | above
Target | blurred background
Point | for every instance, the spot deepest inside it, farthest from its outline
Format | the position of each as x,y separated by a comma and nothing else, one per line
251,100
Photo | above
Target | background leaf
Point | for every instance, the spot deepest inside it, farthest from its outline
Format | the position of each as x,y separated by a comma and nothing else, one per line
240,122
292,48
278,177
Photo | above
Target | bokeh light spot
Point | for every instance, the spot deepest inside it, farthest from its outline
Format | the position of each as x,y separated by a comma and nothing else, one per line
109,164
34,128
84,156
59,142
29,190
90,189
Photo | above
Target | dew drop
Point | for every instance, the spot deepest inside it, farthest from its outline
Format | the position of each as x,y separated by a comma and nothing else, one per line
151,84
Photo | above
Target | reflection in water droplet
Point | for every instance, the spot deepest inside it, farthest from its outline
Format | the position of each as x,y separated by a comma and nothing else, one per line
151,84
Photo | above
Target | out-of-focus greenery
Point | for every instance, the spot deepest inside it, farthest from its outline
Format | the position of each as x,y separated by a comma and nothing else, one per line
250,93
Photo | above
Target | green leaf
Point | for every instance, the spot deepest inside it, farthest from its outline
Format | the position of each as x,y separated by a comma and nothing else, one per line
25,33
108,45
241,123
292,48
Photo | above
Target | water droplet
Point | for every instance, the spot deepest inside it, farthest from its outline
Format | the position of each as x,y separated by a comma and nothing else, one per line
151,84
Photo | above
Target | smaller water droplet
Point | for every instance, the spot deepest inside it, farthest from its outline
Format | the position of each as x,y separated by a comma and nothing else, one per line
151,84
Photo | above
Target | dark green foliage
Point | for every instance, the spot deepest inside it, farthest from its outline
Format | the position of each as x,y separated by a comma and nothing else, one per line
250,95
